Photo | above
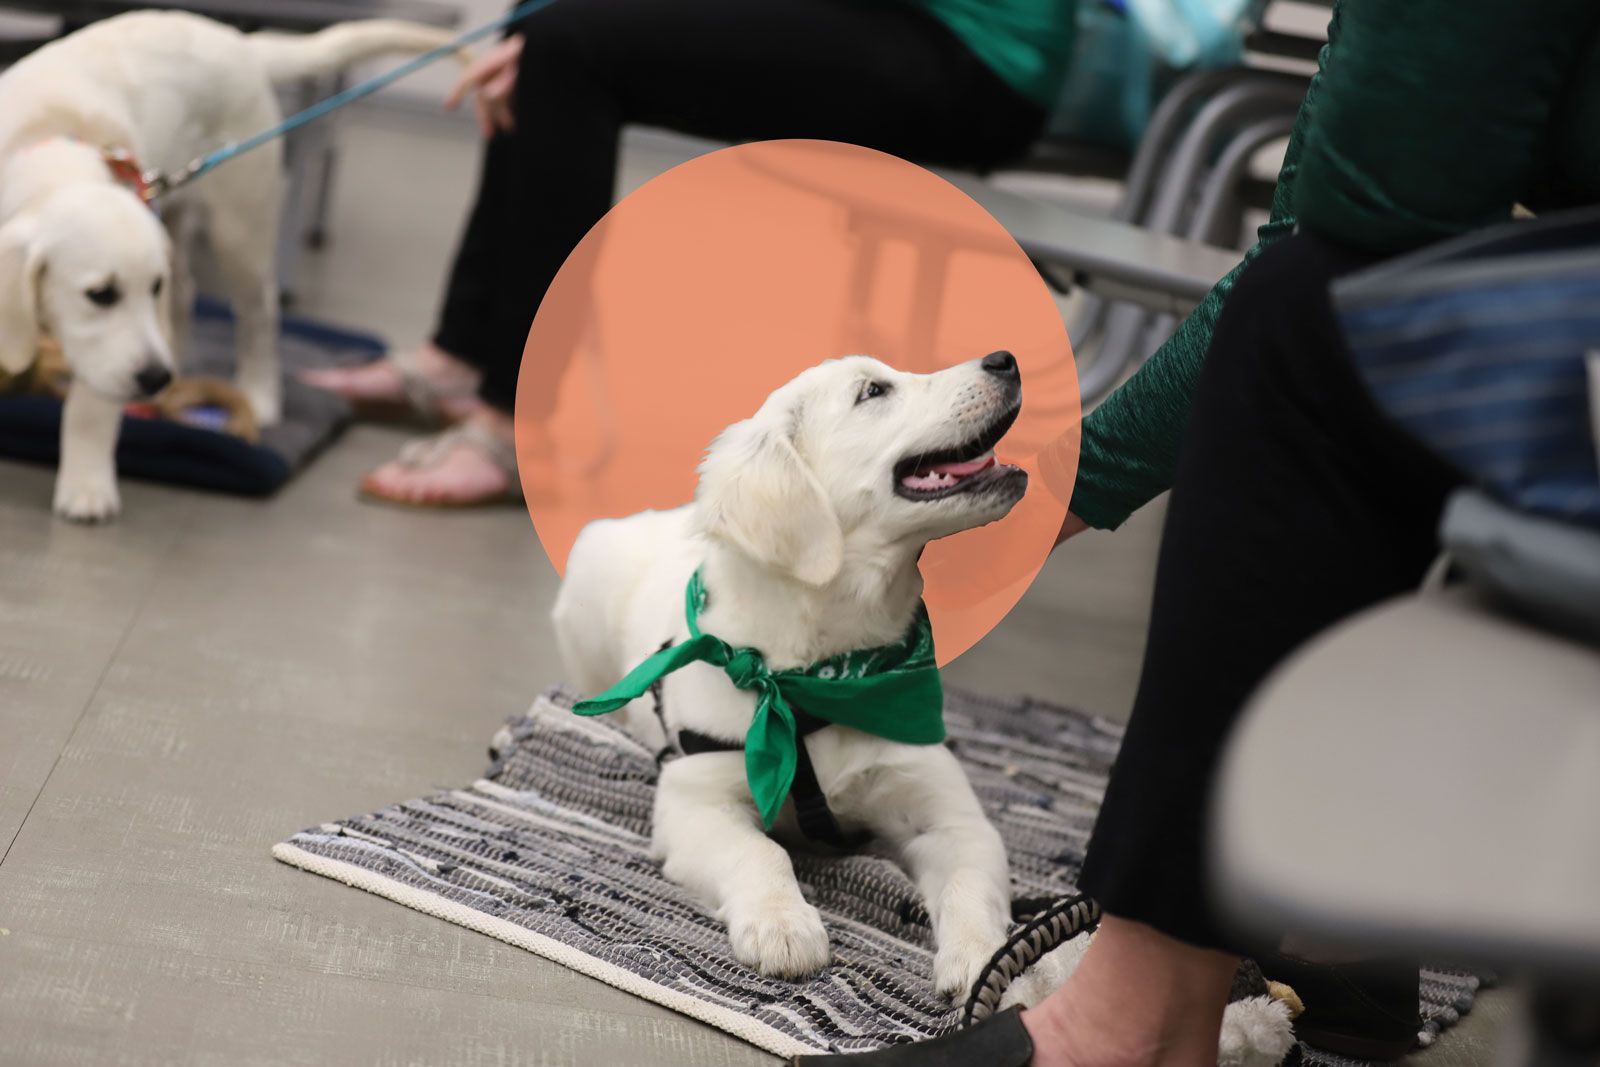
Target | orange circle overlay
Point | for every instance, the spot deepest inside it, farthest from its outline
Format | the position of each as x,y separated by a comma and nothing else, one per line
716,282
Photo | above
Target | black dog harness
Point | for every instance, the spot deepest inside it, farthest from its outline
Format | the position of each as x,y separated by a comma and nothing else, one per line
810,804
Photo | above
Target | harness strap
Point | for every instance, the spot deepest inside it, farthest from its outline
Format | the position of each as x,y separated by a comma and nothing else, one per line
659,699
810,803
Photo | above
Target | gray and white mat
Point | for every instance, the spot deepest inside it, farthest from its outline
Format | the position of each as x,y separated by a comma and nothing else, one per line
549,851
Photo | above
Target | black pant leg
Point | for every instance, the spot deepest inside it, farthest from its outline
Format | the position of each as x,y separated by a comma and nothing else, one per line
888,76
1296,504
472,292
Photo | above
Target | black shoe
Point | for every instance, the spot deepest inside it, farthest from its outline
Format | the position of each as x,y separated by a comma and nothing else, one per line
998,1041
1368,1010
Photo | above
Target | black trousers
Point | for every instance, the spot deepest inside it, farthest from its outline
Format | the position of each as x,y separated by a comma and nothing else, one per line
872,72
1296,504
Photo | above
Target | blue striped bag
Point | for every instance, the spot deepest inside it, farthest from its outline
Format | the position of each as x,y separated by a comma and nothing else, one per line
1487,349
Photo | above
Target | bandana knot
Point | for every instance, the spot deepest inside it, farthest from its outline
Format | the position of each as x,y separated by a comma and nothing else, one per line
892,692
747,669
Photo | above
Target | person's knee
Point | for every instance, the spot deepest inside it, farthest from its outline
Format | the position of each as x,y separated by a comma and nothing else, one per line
561,37
1277,352
1279,310
545,35
556,40
1290,278
1284,276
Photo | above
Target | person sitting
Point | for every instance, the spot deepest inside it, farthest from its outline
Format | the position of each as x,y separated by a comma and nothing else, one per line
958,82
1294,502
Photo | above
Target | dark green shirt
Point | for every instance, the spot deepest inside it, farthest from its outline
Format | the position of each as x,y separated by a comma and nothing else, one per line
1426,119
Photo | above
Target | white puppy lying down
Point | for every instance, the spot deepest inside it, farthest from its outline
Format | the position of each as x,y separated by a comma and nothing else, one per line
806,528
84,259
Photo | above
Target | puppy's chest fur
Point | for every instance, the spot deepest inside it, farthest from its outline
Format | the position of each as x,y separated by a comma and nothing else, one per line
623,599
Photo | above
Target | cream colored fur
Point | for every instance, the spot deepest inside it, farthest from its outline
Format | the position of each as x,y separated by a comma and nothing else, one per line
166,87
807,551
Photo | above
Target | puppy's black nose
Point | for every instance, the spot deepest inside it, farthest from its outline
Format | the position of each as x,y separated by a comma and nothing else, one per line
153,379
1002,363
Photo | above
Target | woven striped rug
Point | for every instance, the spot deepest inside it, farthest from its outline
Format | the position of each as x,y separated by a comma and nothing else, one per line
549,851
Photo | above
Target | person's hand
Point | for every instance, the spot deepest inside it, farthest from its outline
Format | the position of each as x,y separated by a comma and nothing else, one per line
491,79
1069,526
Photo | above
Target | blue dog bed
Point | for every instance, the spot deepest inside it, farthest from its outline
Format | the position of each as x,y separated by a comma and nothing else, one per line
161,451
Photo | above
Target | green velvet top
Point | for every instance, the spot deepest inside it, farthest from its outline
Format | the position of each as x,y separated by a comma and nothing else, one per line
1026,42
1426,119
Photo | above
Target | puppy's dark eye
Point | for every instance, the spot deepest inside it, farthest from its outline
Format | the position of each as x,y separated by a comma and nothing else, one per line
105,296
870,390
155,287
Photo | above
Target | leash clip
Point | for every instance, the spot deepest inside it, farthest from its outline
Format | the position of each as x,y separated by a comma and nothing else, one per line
155,184
149,185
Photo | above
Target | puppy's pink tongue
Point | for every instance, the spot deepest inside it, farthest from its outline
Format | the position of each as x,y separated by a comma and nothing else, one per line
961,470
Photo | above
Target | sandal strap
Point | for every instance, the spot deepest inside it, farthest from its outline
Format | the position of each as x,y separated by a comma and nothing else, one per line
1049,929
424,397
430,450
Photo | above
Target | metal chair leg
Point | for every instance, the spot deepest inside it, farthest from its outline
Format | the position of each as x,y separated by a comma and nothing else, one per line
1218,210
1162,132
1164,128
1126,330
317,231
1219,204
298,158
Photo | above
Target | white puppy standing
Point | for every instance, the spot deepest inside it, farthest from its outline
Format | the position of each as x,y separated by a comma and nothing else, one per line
84,259
806,528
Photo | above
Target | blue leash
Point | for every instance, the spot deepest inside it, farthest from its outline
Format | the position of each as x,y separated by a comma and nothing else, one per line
158,184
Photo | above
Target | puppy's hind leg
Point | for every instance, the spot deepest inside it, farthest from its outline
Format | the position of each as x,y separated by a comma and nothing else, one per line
711,842
242,218
182,224
86,483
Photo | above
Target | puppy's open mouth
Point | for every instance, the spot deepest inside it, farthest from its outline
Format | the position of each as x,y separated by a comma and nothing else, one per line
963,469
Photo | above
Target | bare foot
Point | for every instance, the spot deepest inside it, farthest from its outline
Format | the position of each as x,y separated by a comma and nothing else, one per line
1138,999
475,463
449,385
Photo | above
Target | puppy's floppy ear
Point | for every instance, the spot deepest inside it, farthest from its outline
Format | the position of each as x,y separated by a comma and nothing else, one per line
20,265
758,494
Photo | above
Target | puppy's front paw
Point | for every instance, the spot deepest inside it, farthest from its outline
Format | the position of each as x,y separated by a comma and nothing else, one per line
89,500
958,963
266,401
781,939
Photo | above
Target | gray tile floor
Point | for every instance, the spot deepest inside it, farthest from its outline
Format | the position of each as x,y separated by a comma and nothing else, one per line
180,690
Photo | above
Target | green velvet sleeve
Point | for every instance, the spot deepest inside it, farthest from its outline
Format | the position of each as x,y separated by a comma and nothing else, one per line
1439,116
1426,119
1129,445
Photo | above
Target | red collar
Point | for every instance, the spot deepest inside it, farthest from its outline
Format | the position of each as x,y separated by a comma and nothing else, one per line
124,167
125,170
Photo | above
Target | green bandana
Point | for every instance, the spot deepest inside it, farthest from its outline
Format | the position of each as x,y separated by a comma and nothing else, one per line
891,692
